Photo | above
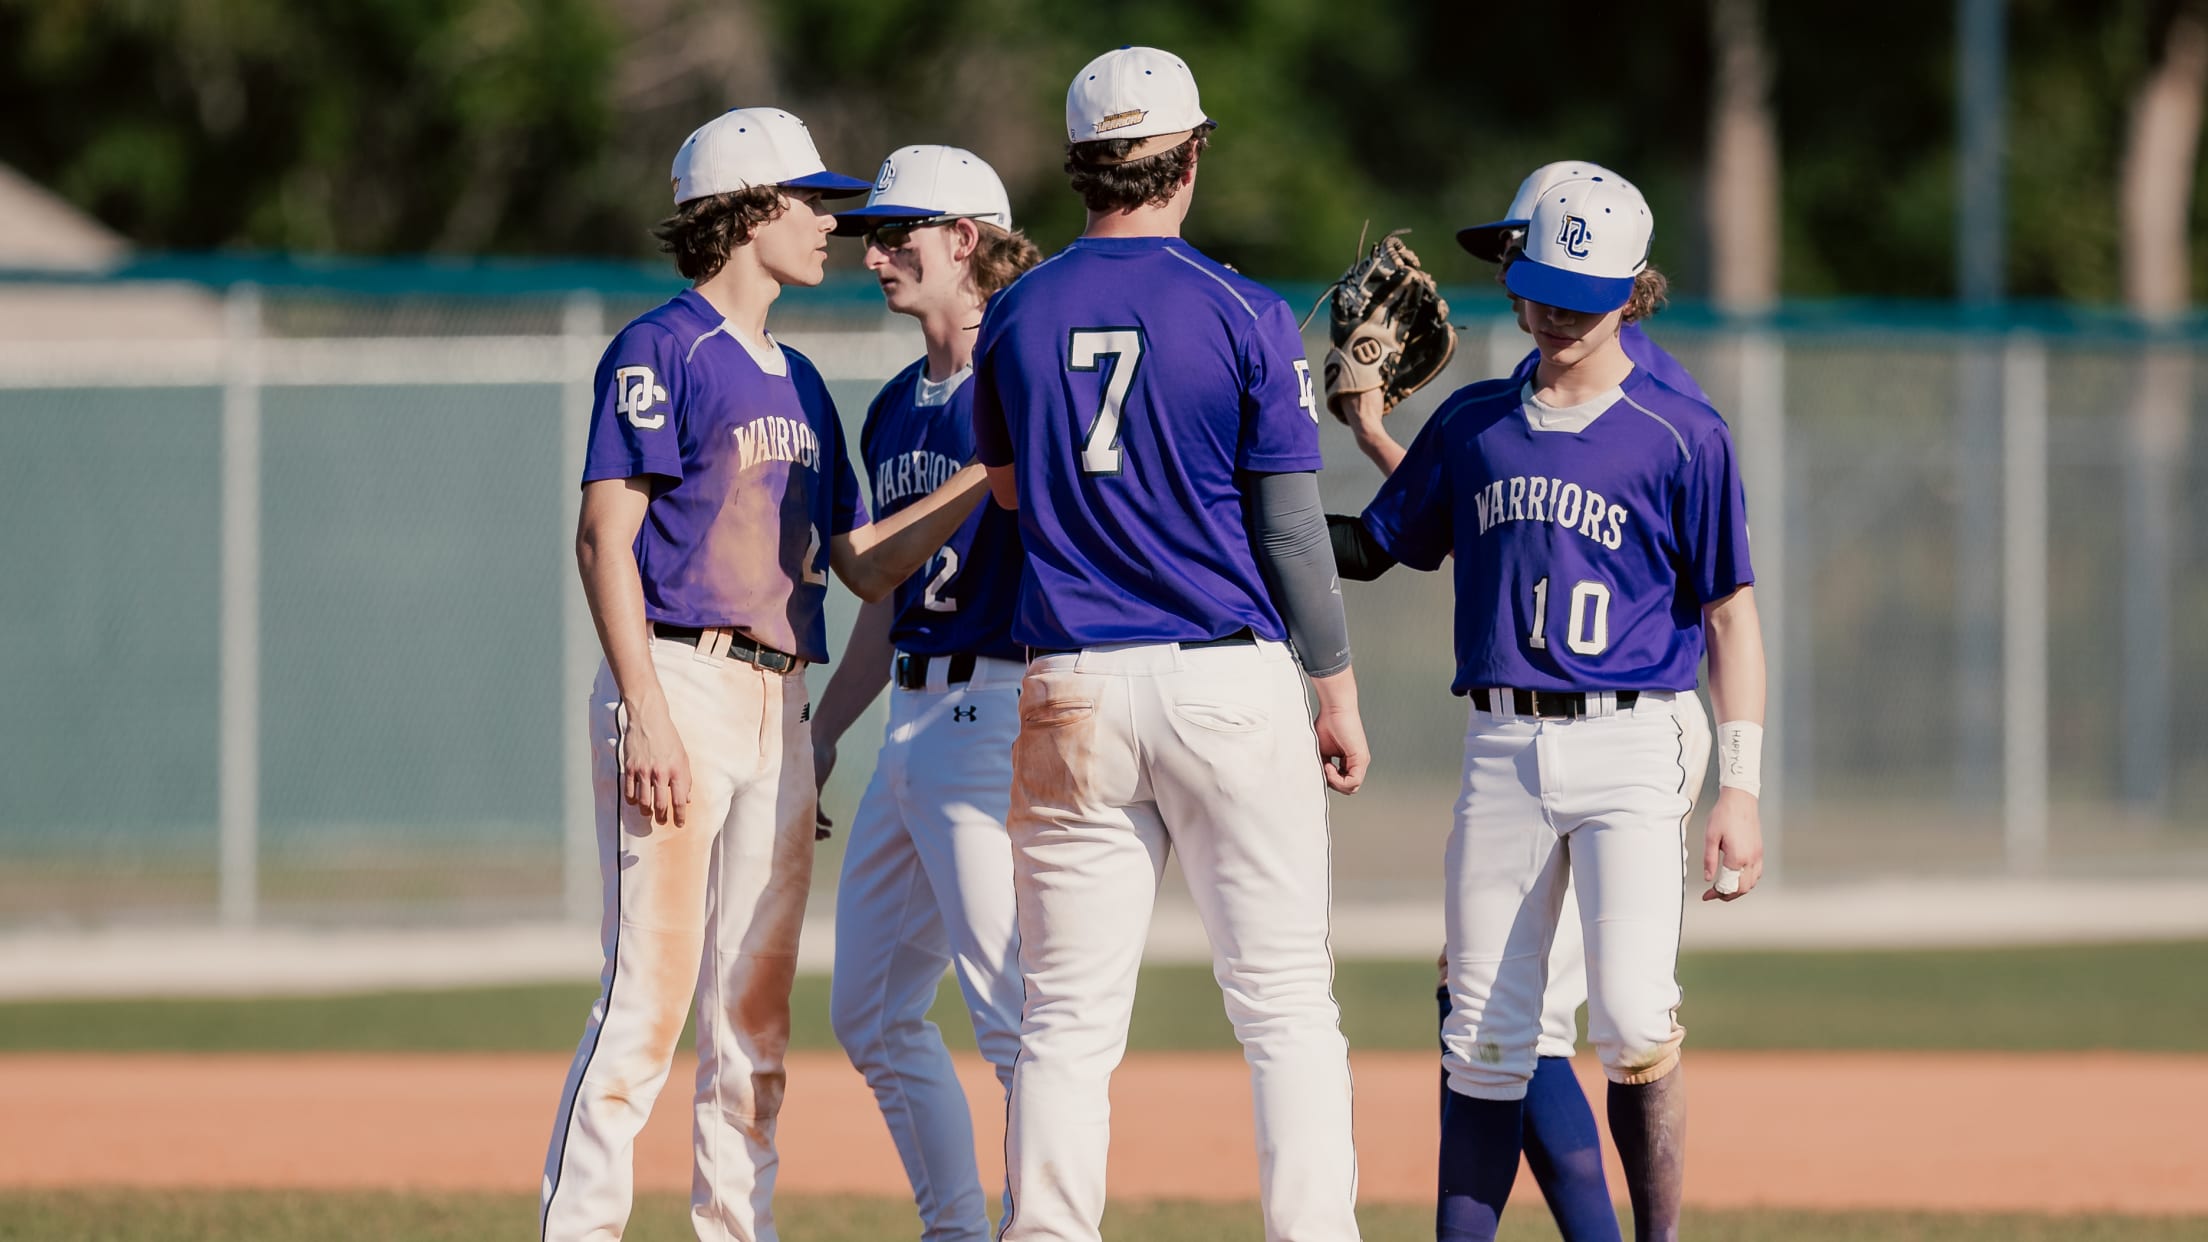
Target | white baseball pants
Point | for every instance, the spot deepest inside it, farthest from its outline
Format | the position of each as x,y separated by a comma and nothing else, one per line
927,883
1567,989
1124,754
713,907
1600,801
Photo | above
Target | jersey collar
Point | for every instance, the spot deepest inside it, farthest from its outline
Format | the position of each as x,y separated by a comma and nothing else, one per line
1542,417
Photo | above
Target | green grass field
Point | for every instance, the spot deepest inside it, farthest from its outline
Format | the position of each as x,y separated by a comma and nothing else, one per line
2087,997
161,1216
2128,997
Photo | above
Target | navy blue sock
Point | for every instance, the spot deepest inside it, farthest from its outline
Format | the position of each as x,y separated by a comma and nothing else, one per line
1441,997
1565,1152
1479,1160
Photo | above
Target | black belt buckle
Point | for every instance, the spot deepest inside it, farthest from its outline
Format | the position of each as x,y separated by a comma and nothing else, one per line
1552,704
765,657
1562,704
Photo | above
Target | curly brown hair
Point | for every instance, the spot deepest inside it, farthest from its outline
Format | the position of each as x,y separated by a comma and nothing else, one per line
705,231
1651,292
1000,257
1107,184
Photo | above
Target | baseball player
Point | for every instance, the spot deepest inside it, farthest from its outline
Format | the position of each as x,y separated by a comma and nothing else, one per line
1151,415
717,493
1598,528
927,874
1562,1147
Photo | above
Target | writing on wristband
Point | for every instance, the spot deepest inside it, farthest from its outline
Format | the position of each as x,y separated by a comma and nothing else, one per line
1740,756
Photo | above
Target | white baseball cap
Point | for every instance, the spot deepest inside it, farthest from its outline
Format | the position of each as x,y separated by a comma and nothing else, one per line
1133,92
930,184
1486,241
747,147
1585,242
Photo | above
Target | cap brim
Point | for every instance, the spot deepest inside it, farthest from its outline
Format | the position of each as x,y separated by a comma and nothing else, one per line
830,185
1572,291
859,219
1485,241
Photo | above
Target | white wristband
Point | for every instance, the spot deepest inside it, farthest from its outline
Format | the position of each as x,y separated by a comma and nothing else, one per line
1740,756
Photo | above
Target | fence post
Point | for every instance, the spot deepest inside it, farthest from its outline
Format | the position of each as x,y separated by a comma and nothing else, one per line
582,330
238,781
2155,449
2024,575
1762,414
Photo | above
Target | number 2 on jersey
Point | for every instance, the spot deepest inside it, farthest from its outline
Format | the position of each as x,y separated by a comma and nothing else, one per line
1087,349
1588,631
931,597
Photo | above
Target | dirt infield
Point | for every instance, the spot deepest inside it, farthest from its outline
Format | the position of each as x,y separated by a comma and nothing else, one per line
1944,1132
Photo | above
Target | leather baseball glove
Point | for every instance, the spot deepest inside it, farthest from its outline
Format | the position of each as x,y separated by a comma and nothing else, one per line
1389,325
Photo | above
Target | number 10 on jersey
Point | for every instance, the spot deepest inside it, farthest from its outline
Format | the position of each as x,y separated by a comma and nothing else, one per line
1588,630
1087,349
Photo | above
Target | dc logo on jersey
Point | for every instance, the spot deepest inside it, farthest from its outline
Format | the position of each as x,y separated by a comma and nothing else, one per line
636,392
1574,237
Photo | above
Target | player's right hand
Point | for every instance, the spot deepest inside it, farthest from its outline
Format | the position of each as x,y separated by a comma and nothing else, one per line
1733,838
655,770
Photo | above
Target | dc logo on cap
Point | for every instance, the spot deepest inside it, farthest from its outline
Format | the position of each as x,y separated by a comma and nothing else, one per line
889,174
1574,237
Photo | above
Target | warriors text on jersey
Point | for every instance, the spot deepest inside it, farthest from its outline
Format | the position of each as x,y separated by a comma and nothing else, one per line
1128,381
1586,540
751,478
917,435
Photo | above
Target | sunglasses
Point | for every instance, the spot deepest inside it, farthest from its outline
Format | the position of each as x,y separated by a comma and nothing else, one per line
899,235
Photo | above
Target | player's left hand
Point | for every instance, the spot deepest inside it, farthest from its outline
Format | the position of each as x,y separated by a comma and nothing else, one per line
1343,753
1389,327
1734,838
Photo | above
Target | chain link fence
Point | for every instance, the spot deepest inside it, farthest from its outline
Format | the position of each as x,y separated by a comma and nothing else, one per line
292,633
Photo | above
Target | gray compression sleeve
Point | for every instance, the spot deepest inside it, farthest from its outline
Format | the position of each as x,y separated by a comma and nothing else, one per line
1288,533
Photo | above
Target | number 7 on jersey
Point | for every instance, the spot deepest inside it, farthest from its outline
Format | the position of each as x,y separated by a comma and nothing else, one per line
1087,349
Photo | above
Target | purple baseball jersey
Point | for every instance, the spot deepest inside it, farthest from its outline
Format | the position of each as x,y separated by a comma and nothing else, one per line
1645,353
1129,382
916,436
751,478
1586,540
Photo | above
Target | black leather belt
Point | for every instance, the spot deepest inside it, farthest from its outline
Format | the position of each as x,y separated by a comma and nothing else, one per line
1242,637
1551,704
740,647
912,670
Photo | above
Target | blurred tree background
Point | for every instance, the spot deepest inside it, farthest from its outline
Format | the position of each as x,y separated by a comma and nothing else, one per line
545,126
